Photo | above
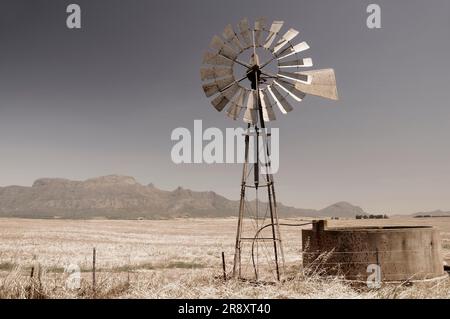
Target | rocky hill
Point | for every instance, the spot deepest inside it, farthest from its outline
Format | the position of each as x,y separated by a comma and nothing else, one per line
341,209
122,197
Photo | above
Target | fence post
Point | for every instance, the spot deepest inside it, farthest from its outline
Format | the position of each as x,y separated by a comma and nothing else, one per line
224,267
93,269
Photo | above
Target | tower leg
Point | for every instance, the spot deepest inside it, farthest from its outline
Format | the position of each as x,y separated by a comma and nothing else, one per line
237,250
276,221
275,226
272,201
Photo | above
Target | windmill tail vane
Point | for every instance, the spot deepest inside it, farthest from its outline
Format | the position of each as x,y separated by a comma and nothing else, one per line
257,92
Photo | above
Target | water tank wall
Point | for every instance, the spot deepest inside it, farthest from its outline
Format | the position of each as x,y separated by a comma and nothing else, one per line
403,253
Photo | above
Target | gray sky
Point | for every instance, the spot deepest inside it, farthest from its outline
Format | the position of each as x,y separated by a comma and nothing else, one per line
105,99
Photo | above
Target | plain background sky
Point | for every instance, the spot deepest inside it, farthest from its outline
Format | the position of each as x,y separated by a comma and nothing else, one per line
105,99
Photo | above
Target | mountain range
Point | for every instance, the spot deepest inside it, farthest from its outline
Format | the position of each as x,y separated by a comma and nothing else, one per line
435,213
122,197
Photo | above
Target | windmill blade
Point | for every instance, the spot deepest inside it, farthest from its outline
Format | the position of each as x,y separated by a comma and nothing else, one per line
216,59
286,38
217,86
213,73
260,25
244,32
234,111
295,76
290,89
225,97
283,105
302,63
217,43
224,83
210,89
273,31
251,115
222,48
303,46
231,37
267,110
323,83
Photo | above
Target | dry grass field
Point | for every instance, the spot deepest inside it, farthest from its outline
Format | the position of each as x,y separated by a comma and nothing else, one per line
178,258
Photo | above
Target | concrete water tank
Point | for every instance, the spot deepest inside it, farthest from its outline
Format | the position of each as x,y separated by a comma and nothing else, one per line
410,253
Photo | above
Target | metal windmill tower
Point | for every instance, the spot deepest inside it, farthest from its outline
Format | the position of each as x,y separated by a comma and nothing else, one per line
257,89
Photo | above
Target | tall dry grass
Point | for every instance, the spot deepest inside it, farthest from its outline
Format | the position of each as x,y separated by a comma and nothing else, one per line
206,283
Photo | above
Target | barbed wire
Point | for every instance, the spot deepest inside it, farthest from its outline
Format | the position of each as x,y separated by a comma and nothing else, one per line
365,251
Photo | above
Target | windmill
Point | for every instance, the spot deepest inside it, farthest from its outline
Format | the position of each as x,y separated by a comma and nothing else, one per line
257,89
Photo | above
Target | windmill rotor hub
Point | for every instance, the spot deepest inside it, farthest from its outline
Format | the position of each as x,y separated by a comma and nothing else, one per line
254,76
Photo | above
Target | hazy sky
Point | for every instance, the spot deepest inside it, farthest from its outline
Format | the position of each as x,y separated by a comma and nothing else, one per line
105,99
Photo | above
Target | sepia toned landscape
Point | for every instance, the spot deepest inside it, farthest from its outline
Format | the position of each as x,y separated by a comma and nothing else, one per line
175,258
200,150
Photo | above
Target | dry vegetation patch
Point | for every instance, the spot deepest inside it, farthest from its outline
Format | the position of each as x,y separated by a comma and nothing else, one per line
167,259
